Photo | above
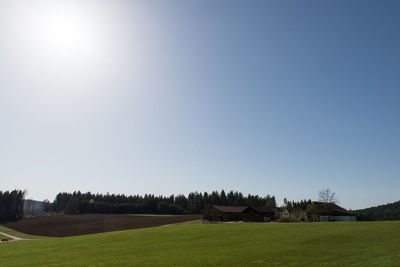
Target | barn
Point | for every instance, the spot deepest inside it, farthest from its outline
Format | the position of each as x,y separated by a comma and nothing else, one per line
329,212
234,213
265,214
224,213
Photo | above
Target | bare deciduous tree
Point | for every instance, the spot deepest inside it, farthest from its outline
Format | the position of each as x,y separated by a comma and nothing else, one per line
327,196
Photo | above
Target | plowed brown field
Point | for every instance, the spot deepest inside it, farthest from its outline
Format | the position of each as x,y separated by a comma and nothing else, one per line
70,225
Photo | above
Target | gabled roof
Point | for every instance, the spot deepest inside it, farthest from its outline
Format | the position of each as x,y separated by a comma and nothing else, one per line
264,209
231,209
321,208
281,209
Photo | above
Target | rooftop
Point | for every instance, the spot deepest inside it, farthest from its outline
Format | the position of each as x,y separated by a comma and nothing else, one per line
230,208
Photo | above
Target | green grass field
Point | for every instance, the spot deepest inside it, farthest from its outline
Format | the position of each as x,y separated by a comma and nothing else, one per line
234,244
18,234
2,237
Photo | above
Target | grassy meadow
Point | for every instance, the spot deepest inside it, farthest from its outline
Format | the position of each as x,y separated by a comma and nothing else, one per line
224,244
18,234
3,237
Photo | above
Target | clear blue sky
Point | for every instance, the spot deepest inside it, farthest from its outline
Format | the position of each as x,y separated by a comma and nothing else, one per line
264,97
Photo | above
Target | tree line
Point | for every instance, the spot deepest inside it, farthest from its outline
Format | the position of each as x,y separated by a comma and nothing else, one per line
297,205
390,211
11,205
194,203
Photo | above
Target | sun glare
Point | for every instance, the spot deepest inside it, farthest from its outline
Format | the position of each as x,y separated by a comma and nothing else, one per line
67,46
65,32
71,47
68,34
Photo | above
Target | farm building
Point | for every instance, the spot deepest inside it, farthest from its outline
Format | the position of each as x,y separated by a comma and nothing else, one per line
224,213
282,213
267,213
329,212
233,213
255,215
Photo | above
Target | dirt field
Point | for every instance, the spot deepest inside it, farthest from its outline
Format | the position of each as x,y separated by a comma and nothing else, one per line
69,225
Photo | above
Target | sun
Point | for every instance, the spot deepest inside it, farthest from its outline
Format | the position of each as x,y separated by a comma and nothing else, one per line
68,34
65,32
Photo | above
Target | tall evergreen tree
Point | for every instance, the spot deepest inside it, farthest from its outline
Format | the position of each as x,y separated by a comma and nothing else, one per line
11,205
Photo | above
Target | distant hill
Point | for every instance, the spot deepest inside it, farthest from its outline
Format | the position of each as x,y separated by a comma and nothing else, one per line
389,211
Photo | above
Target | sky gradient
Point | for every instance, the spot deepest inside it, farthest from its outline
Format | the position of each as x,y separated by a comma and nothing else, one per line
264,97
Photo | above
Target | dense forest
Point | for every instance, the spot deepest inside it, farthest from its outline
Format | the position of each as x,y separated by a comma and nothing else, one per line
389,211
11,205
297,205
194,203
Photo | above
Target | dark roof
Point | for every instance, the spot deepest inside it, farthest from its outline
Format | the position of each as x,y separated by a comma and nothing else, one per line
261,209
281,209
321,208
230,209
264,209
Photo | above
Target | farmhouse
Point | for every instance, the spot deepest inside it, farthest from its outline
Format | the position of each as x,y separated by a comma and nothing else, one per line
233,213
282,213
329,212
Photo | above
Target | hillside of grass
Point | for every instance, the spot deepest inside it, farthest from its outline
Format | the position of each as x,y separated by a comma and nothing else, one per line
19,234
3,237
225,244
